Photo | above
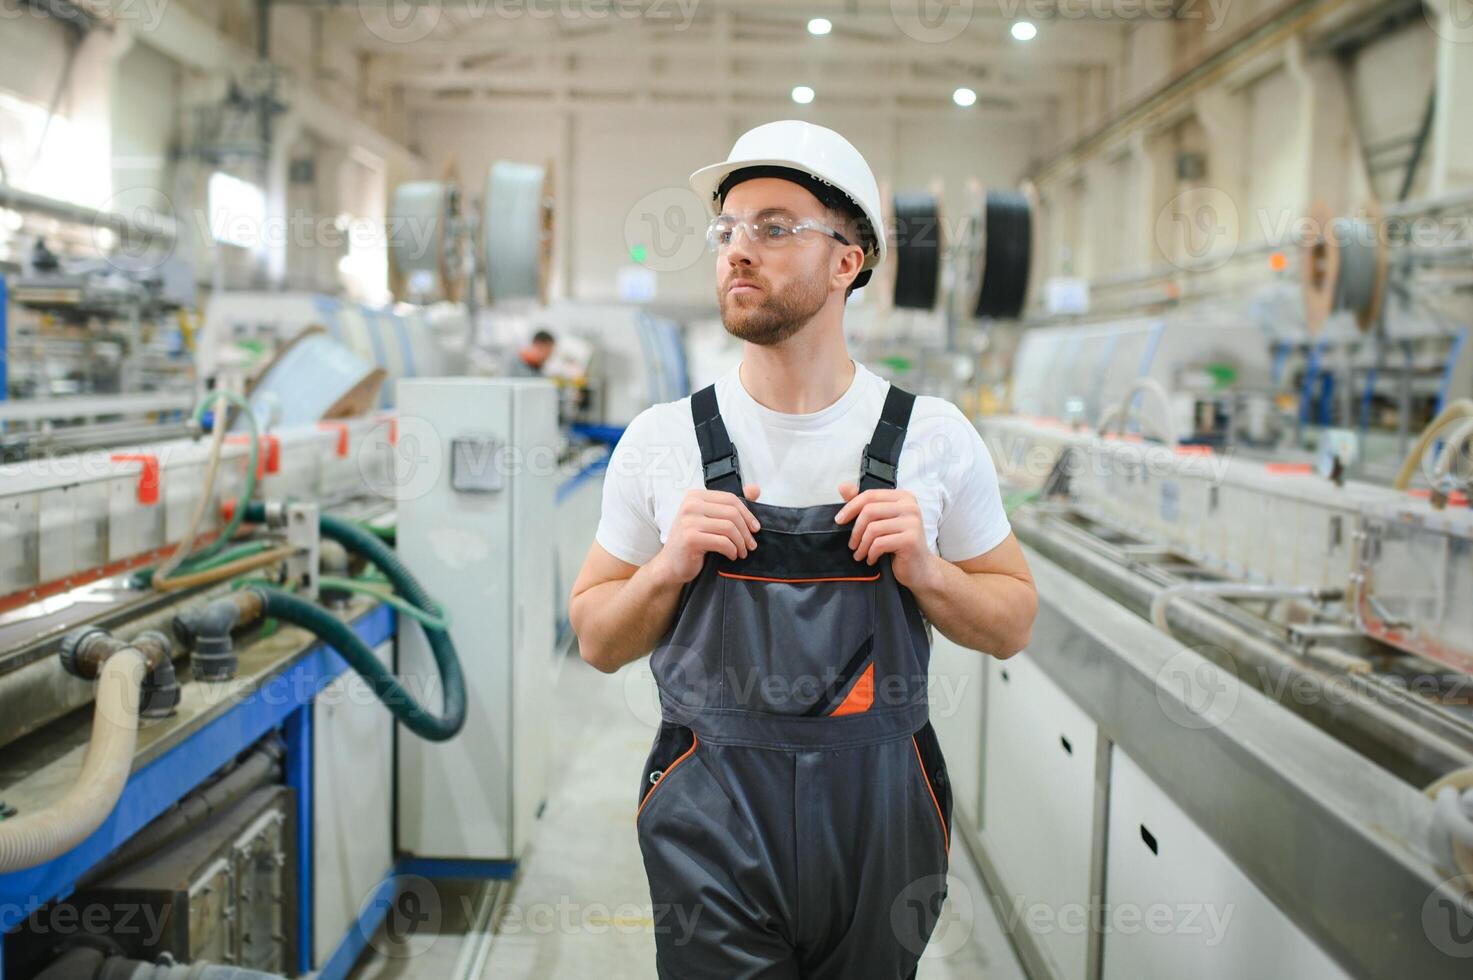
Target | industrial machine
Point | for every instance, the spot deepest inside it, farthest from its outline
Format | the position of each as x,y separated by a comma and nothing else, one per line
185,624
1245,697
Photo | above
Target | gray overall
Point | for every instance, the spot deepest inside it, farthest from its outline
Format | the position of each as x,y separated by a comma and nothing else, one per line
794,813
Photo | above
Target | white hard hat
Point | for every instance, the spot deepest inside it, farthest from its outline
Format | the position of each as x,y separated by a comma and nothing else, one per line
811,150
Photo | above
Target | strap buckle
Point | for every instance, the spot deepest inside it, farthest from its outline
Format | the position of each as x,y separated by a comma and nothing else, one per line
718,468
876,469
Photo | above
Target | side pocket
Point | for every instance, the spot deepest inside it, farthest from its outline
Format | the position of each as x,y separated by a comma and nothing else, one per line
933,772
673,746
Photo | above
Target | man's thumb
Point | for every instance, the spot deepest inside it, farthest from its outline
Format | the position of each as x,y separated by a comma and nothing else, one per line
847,491
751,491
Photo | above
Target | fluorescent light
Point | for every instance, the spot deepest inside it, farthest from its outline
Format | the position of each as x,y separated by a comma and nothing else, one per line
802,94
964,97
820,25
1024,31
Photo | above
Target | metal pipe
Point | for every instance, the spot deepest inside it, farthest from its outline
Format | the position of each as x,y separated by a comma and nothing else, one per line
258,769
165,230
1224,590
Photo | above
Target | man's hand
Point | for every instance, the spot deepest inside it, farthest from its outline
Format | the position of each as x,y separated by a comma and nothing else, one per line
888,522
708,520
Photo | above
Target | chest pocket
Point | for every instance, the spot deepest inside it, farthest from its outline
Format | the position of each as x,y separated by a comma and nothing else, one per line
798,618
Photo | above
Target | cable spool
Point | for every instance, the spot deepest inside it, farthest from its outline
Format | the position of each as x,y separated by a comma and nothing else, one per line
1007,247
314,378
424,235
918,248
516,226
1343,268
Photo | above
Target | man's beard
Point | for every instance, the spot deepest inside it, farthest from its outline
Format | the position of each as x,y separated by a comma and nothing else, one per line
775,315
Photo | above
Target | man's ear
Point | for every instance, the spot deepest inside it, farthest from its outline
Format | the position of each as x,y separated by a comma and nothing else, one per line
852,258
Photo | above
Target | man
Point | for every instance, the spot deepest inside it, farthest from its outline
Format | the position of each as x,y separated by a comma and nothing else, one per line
531,358
794,813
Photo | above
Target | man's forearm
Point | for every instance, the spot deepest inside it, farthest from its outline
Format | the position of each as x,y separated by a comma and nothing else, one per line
991,612
619,622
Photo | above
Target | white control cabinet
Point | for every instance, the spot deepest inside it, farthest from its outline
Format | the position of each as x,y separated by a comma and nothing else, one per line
476,476
1176,906
1038,809
958,681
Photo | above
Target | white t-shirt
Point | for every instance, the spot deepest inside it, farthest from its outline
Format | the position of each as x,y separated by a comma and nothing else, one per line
799,461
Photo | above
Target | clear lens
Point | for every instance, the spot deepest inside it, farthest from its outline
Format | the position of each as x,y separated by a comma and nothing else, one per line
768,231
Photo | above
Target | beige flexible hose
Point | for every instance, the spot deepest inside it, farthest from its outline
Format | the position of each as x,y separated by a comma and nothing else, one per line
1452,823
34,838
238,567
1460,409
1442,469
1120,414
160,580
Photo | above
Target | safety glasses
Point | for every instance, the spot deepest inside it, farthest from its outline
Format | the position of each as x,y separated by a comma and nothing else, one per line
770,230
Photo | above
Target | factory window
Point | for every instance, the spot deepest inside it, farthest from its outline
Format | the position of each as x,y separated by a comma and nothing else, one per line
237,211
48,158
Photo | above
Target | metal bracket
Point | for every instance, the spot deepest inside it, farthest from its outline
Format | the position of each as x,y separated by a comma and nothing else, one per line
303,534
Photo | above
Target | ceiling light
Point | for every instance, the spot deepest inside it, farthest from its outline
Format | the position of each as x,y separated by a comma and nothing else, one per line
964,97
802,94
820,25
1024,31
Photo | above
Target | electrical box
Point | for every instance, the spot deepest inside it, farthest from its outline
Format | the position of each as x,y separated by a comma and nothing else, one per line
476,481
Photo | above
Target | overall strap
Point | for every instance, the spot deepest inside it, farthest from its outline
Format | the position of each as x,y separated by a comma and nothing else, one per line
882,456
718,455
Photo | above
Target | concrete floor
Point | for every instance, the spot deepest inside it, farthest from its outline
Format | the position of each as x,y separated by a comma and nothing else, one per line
580,907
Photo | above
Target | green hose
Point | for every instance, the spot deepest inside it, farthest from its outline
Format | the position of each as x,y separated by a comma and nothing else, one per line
298,612
439,621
